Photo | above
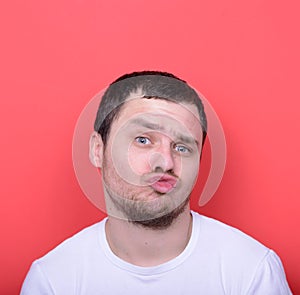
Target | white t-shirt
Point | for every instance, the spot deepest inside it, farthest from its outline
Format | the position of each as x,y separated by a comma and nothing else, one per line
218,260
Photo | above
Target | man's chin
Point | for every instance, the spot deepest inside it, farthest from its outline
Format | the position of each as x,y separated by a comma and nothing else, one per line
153,210
163,220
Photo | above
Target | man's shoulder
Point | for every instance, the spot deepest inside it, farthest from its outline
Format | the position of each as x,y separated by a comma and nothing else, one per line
228,240
72,259
80,244
242,262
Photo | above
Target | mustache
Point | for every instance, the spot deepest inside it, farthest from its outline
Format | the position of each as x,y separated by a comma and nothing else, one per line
159,170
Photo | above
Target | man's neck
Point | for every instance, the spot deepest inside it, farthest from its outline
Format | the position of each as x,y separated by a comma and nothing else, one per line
148,247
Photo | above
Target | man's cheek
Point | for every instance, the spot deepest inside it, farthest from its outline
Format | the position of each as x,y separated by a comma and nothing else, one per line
190,168
138,162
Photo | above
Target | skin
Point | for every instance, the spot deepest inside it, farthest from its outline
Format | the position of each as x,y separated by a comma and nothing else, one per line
149,167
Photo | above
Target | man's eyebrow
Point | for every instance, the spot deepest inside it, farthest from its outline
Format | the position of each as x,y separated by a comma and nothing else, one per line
157,127
146,124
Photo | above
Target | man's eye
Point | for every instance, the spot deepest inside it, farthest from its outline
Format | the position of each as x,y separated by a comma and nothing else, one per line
181,149
143,140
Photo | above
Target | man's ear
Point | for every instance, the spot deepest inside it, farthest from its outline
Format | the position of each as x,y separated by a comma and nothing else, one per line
96,149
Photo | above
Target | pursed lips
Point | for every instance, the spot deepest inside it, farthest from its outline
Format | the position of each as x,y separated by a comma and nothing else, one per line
162,183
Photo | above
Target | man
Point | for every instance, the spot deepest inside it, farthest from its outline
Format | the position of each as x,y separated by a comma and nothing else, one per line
149,133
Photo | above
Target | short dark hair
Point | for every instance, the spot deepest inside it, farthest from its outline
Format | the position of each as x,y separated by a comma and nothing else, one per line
152,84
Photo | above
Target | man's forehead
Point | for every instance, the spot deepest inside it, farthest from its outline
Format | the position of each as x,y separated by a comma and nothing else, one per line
137,103
172,119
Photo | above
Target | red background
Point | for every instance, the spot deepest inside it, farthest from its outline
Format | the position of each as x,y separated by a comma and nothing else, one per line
55,55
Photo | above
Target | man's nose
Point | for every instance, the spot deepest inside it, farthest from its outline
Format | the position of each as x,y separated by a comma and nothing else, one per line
162,159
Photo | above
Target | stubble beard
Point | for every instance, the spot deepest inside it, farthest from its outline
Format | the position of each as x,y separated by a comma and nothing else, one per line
164,221
156,213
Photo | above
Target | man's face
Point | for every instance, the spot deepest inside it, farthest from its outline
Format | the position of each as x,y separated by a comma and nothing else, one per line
151,159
